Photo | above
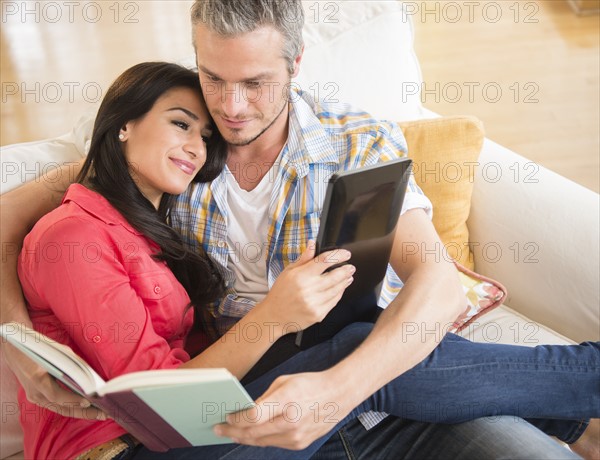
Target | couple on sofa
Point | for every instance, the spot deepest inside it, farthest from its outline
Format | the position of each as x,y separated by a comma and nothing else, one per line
167,174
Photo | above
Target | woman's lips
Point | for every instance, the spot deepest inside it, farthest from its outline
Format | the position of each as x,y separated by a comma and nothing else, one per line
185,166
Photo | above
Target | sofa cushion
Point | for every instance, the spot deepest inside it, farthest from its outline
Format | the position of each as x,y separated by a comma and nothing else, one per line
28,160
340,62
444,153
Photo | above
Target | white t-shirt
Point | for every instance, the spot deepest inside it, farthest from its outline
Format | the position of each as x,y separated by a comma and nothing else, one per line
247,228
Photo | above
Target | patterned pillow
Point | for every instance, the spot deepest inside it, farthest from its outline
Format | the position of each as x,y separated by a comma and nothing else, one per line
483,295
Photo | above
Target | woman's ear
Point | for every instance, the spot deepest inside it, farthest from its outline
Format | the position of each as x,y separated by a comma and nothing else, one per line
124,132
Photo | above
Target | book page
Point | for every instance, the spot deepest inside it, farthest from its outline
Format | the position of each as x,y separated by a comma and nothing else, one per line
162,377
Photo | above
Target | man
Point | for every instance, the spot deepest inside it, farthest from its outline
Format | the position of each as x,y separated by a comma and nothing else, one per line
278,155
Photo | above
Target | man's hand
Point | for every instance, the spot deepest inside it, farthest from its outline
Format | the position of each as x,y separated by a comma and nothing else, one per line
41,388
295,411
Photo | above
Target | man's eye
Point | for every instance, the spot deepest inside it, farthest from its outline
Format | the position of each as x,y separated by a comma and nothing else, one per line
252,84
213,78
181,124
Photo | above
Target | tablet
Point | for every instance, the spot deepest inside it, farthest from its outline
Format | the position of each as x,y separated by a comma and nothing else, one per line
360,213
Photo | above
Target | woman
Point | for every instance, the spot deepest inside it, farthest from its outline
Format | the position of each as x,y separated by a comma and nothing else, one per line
105,274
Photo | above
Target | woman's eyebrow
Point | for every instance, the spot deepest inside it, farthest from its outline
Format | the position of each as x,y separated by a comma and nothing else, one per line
192,115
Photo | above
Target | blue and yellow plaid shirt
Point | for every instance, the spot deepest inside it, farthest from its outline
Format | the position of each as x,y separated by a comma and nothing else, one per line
323,138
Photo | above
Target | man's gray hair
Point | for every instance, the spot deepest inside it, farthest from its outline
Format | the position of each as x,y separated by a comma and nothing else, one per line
235,17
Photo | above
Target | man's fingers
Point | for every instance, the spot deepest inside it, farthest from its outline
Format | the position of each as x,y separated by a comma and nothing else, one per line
247,417
253,433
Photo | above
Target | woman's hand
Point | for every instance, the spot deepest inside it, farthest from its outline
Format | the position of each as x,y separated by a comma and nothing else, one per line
42,389
303,294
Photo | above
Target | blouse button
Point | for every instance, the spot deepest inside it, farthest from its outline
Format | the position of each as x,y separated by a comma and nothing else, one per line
96,339
157,289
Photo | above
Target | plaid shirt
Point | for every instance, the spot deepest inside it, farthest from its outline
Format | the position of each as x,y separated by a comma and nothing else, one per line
322,139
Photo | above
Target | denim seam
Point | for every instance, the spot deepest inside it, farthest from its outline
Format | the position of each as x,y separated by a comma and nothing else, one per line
346,444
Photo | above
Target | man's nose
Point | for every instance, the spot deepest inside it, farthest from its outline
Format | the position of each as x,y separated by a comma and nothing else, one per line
233,100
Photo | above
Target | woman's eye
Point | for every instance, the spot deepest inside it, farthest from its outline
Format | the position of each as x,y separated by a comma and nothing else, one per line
181,124
252,84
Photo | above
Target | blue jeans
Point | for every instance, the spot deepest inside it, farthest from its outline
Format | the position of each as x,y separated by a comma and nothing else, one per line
555,387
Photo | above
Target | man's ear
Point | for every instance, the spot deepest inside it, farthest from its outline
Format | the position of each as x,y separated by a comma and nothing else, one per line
297,62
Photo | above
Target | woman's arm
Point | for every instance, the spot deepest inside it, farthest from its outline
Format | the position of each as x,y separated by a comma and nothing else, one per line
20,210
301,296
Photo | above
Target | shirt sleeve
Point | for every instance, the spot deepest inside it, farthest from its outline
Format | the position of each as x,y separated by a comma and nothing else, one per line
74,270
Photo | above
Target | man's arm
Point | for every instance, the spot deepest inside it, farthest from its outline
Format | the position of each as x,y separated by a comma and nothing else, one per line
431,298
20,210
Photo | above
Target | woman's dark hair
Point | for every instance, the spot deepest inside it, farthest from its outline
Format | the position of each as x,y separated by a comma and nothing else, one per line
106,171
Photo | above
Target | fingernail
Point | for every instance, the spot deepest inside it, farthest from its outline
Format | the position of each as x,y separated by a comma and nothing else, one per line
85,404
345,254
349,281
351,269
218,431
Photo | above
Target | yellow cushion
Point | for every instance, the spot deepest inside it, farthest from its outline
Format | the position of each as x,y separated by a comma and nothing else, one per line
444,153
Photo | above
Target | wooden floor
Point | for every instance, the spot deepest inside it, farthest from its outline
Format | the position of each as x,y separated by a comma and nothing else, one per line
528,69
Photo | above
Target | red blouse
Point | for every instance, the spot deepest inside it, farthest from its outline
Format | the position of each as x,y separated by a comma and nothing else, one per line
91,283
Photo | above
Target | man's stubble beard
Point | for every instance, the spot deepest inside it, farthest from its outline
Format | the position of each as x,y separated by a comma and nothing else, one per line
248,142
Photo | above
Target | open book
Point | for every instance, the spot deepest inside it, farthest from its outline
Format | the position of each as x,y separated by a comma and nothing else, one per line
163,409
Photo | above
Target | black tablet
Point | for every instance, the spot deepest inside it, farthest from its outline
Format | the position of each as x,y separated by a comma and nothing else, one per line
360,213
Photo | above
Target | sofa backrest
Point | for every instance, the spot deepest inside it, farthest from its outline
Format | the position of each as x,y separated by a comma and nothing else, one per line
360,52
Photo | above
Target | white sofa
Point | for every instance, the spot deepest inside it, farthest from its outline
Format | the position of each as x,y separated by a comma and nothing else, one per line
546,228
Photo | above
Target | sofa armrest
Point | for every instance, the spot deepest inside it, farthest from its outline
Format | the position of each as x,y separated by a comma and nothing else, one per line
538,233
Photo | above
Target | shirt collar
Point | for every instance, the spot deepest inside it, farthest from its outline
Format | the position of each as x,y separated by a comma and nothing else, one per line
308,141
96,205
